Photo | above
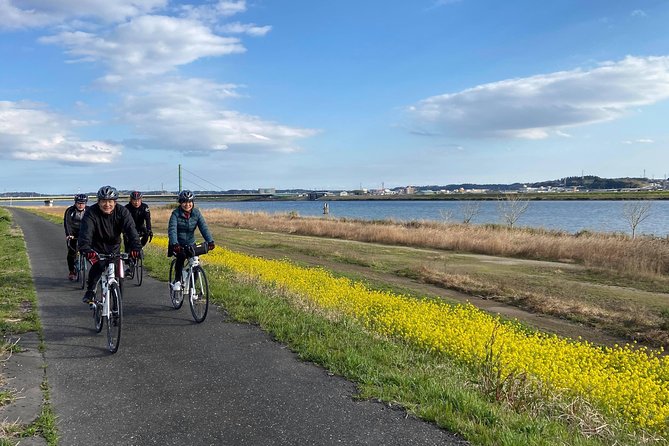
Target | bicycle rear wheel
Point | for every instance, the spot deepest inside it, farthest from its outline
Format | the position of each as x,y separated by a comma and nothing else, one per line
139,270
115,318
199,294
81,271
97,309
177,297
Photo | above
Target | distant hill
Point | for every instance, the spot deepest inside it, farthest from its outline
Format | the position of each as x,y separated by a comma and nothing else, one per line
587,182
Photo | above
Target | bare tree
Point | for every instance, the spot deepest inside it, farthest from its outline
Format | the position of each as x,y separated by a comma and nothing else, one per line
511,207
447,215
470,210
635,213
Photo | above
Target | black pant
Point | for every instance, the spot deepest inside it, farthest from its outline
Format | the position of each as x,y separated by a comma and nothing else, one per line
71,253
179,266
94,275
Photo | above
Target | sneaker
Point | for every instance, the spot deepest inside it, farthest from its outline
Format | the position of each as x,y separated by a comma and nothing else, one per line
176,286
72,276
88,297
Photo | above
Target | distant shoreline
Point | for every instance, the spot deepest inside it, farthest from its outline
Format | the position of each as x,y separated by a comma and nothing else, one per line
529,196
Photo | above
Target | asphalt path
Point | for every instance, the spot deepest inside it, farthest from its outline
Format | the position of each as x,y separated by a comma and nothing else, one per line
175,382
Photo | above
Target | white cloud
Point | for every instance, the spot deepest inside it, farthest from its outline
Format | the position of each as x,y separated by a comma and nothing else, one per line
187,115
147,45
639,13
533,107
211,13
245,28
35,13
29,132
639,141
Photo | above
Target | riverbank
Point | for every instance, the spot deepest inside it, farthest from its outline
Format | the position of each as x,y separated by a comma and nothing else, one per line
608,282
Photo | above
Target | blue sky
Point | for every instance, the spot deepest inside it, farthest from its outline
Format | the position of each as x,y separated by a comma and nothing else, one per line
329,95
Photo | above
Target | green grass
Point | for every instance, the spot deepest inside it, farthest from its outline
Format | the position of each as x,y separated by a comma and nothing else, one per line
456,397
431,386
18,314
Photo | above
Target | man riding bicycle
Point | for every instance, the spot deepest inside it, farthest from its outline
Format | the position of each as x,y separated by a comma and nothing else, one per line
141,215
72,222
100,232
181,232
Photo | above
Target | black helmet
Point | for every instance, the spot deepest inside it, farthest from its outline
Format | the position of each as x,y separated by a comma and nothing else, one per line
107,193
186,195
136,195
81,198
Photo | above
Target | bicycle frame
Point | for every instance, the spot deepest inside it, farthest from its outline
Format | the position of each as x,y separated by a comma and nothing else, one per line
110,307
109,277
187,277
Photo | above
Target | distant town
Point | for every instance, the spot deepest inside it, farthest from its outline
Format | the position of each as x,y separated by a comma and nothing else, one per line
576,184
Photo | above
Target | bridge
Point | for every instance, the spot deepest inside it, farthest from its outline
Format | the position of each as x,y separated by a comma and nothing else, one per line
147,197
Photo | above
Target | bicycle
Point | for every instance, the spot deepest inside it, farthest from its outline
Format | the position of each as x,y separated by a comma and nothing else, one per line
137,270
193,282
79,264
108,301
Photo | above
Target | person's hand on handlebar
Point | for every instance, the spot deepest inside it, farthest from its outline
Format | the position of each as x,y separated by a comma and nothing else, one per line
135,253
176,248
92,257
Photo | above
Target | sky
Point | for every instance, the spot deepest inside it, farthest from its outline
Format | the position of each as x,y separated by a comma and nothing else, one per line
339,95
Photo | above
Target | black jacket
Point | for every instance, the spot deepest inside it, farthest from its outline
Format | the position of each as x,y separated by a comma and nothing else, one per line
72,220
141,216
102,233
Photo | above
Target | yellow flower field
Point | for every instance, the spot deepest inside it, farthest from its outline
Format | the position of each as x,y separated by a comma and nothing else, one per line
628,381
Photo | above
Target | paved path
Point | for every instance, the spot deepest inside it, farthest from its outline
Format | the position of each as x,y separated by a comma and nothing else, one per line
174,382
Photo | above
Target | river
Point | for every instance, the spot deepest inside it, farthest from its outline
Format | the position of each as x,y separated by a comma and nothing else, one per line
570,216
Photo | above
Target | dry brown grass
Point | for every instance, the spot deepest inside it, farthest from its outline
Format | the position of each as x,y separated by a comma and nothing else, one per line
641,256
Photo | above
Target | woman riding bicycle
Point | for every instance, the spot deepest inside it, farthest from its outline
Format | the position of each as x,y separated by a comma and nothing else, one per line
72,221
181,232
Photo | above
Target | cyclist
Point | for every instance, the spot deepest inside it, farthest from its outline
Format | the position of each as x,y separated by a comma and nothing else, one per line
100,232
181,232
142,217
72,221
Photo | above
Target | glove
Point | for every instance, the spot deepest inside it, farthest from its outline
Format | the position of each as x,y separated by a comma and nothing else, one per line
211,246
150,235
92,257
176,248
135,253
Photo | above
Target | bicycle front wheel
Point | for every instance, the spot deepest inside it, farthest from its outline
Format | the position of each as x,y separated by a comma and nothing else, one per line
177,297
199,294
97,309
139,270
115,318
82,271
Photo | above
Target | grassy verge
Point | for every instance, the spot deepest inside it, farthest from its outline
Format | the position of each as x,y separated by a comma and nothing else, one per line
470,401
18,314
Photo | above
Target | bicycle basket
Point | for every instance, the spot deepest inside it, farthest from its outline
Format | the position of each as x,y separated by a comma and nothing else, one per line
200,248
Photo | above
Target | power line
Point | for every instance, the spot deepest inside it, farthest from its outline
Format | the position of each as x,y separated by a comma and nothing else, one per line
207,181
198,185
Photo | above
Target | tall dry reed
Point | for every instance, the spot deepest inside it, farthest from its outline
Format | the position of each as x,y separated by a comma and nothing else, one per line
641,256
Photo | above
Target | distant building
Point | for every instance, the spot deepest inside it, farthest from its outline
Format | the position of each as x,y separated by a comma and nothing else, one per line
410,190
267,190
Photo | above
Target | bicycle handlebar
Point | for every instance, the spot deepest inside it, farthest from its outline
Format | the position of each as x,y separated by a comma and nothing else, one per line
122,255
